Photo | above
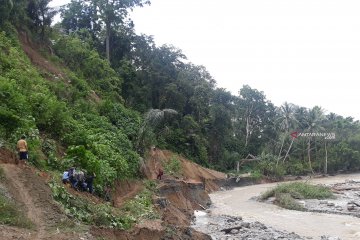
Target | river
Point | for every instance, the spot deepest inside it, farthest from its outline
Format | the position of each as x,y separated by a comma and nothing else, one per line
239,202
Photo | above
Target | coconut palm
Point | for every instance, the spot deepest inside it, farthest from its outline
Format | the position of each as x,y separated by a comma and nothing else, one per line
152,119
313,119
287,121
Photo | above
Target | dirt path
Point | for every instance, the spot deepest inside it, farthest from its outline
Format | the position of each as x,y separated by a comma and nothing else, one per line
19,180
34,196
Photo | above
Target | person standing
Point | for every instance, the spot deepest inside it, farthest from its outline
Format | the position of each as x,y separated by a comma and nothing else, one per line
22,148
89,182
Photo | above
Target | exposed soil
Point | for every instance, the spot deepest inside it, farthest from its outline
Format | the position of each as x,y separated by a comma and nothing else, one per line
7,156
190,171
37,59
125,190
176,199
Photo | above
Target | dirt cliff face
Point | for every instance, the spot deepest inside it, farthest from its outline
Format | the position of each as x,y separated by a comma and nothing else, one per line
175,201
176,198
180,199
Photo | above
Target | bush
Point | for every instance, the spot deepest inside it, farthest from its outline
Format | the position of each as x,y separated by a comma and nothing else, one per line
268,167
285,200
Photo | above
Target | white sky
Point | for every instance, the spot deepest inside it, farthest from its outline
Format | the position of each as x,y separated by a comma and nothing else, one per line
306,52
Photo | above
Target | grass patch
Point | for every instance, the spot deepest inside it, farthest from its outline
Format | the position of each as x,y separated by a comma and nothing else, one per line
11,215
285,194
173,167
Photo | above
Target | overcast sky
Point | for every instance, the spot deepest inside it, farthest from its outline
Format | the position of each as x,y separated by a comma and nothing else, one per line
305,52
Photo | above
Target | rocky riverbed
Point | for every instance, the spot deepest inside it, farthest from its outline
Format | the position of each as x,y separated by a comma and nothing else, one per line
222,227
346,201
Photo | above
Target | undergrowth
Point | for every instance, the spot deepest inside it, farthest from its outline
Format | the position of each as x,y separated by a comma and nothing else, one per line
173,167
105,215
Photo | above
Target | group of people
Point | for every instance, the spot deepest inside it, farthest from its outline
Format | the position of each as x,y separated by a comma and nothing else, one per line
79,180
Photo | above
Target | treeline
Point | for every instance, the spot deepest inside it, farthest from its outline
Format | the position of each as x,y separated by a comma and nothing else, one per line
182,108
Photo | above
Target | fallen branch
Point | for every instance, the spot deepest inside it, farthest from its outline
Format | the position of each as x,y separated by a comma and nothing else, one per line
354,203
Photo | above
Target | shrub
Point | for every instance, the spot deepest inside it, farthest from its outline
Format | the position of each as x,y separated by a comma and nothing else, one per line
173,167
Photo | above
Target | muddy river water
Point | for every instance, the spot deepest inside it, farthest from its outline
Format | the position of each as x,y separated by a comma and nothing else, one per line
239,202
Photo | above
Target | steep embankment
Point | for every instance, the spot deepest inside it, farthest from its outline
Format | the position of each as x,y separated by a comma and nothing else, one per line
186,191
176,197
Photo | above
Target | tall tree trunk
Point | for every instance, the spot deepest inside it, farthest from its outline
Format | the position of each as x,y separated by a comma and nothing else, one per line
287,153
108,41
309,154
43,26
247,131
281,148
326,159
238,166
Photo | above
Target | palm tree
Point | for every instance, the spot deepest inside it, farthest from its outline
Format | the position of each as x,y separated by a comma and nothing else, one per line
152,119
313,119
287,120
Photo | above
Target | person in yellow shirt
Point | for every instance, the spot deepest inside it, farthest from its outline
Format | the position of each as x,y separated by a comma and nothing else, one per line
22,148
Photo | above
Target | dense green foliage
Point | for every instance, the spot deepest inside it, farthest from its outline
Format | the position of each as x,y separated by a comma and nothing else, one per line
93,108
285,194
29,106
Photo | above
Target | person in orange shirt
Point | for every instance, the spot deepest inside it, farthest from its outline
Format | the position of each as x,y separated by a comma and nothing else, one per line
22,149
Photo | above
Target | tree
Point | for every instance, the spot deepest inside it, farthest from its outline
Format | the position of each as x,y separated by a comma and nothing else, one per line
220,125
5,9
41,15
286,121
79,15
313,118
152,120
112,13
252,113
